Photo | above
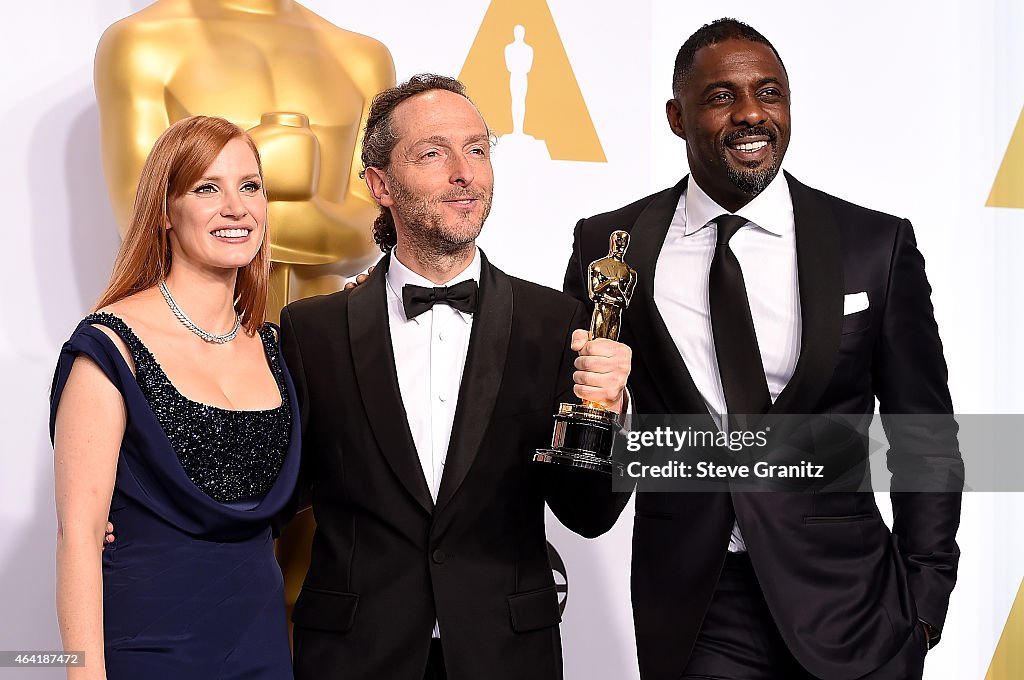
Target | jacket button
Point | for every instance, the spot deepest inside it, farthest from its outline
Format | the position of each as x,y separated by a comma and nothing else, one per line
438,557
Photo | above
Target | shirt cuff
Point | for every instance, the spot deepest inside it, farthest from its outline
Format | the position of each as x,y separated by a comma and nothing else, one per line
627,404
933,633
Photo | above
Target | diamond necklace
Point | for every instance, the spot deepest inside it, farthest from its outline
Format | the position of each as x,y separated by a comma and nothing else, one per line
189,324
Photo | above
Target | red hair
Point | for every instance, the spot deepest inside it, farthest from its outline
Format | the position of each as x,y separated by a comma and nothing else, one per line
179,158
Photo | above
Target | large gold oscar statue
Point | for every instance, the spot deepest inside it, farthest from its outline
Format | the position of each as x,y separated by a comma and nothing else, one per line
302,87
299,83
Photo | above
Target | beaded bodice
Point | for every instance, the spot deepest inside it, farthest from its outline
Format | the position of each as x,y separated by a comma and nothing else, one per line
229,455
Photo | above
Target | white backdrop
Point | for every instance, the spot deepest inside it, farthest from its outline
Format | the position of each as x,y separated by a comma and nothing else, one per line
906,107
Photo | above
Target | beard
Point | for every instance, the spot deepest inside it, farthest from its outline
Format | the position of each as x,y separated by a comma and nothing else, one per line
751,179
427,229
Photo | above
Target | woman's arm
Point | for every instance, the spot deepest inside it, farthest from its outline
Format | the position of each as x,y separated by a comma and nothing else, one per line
87,437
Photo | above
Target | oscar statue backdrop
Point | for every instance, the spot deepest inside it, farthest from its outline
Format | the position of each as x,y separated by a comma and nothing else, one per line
914,108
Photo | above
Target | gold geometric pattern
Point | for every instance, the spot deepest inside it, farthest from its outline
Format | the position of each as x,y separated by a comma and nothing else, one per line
555,109
1008,188
1008,660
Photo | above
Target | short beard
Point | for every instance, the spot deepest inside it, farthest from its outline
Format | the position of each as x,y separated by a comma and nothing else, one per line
752,182
429,239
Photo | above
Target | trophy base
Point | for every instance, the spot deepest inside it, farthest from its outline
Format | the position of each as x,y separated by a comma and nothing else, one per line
579,460
583,439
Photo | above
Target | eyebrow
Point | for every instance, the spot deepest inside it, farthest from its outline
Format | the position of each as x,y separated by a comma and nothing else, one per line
438,139
220,179
724,84
730,85
769,80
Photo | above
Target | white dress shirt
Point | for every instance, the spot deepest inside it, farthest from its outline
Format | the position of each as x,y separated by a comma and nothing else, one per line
766,250
430,354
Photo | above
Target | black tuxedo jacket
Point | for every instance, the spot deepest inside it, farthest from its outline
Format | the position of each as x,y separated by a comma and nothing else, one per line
386,559
844,591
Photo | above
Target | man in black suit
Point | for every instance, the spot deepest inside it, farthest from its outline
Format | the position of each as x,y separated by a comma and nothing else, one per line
758,294
423,396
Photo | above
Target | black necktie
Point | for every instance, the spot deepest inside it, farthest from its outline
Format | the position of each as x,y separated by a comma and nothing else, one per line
418,299
739,359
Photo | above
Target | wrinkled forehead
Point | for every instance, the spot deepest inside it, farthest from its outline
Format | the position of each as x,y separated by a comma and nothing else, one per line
437,114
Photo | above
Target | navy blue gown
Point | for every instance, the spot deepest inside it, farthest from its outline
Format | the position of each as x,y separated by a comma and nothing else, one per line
191,587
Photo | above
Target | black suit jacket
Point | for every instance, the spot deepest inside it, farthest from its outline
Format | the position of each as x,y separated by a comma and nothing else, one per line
386,560
844,591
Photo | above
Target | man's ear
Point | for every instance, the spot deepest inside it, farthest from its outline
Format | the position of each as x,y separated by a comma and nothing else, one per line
377,183
674,113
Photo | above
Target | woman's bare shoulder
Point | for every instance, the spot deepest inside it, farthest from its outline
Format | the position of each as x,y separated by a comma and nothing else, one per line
137,311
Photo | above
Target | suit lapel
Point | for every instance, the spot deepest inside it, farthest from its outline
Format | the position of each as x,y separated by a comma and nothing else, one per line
374,359
481,377
820,273
653,344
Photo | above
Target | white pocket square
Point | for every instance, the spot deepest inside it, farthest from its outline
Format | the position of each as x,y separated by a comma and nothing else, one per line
855,302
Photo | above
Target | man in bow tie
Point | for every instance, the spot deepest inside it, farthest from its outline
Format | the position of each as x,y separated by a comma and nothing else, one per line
423,394
759,295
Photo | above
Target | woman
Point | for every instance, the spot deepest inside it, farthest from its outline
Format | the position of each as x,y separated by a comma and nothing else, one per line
172,412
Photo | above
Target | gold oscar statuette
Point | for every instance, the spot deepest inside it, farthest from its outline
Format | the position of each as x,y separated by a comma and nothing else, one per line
584,432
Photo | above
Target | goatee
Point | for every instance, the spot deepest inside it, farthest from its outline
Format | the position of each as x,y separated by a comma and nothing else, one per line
428,235
753,180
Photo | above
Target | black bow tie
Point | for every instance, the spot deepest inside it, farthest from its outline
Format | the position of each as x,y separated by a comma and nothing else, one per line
418,299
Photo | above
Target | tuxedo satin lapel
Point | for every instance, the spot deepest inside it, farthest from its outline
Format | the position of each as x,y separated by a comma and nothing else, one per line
374,360
653,345
820,273
481,377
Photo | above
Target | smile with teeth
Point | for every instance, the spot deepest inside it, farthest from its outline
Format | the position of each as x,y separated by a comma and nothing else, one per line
750,147
231,233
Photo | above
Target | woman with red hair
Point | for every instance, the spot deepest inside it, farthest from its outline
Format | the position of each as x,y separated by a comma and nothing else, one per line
173,416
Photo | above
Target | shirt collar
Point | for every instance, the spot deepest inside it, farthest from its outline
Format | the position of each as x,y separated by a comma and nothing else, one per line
398,276
771,210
